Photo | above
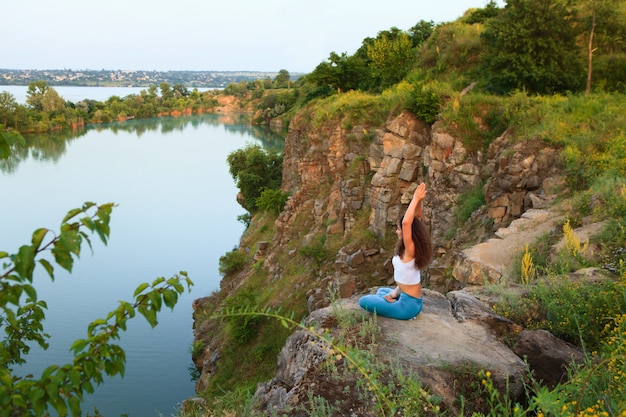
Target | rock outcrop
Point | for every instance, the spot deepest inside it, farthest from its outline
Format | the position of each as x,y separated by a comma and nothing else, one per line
454,332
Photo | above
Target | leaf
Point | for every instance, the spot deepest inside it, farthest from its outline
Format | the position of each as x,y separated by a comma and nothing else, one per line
48,267
155,300
94,324
18,400
63,258
31,292
75,377
25,262
67,243
74,404
38,236
157,281
5,378
89,224
140,289
170,298
37,394
150,316
72,213
78,346
48,371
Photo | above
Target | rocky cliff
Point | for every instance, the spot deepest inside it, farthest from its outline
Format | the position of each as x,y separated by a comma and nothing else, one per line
339,174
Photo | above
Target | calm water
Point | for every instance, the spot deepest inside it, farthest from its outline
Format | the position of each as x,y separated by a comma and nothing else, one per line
177,212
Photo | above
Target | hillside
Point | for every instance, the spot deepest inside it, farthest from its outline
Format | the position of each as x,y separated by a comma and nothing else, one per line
516,182
334,237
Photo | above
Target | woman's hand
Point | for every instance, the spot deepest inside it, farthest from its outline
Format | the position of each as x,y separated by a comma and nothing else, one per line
420,192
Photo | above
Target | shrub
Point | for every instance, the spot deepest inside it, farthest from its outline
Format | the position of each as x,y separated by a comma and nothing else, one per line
272,200
232,262
426,104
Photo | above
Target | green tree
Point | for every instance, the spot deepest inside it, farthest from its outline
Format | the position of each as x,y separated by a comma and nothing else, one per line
254,170
22,315
482,15
35,93
166,91
180,90
421,32
7,106
272,201
341,72
282,80
603,27
391,55
51,102
531,46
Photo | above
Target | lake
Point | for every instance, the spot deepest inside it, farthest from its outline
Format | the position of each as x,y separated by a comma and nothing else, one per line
177,211
77,93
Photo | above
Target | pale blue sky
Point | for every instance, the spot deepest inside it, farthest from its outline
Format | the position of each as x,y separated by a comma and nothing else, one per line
234,35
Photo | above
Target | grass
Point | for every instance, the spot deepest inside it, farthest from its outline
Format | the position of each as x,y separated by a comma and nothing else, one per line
353,108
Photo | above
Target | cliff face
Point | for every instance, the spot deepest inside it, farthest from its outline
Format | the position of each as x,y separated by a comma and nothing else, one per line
339,174
333,174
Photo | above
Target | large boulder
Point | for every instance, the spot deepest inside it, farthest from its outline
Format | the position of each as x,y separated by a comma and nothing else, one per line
453,332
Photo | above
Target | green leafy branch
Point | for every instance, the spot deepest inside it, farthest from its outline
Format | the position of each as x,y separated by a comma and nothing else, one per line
22,315
352,356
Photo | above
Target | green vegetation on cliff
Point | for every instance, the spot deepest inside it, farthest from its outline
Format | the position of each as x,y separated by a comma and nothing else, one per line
462,77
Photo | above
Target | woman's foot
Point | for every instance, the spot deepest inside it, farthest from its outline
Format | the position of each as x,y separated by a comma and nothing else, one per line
390,299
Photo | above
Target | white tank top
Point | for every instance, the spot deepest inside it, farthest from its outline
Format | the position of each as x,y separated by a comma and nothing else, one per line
405,273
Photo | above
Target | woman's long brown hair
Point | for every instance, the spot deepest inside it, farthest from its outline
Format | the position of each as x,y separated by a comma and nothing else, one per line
423,245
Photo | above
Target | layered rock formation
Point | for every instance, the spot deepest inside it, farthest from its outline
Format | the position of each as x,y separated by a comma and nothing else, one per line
333,174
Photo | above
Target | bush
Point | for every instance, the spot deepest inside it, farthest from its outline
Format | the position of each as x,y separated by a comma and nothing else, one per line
426,104
272,201
255,169
232,262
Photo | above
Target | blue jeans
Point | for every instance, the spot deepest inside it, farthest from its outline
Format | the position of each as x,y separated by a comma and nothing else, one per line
405,307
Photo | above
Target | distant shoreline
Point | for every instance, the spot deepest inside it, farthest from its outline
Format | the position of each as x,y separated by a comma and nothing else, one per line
128,78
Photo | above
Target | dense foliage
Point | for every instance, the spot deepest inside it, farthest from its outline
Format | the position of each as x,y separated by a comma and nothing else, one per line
256,170
22,316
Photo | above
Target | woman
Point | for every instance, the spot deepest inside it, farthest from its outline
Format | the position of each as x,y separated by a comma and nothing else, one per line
413,253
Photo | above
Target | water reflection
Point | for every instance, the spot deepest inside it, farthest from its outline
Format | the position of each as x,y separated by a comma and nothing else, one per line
52,146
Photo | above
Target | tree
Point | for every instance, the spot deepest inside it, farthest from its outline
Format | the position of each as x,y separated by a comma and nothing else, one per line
391,56
166,91
282,80
421,32
482,15
341,73
51,101
254,170
7,106
531,46
35,93
180,90
603,27
22,315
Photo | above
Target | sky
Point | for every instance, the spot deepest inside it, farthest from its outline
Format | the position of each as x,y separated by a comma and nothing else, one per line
202,35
